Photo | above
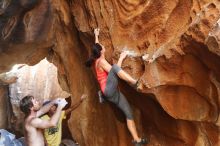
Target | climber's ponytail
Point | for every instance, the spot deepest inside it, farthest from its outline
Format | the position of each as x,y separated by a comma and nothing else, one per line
96,53
89,62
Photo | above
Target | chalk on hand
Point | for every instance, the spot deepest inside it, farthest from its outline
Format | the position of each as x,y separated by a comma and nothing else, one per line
145,57
131,53
62,102
57,100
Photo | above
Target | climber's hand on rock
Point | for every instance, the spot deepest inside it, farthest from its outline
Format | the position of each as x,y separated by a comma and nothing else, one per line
152,59
145,57
96,31
123,55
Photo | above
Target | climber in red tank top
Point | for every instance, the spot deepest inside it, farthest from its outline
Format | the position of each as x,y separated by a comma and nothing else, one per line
108,76
101,76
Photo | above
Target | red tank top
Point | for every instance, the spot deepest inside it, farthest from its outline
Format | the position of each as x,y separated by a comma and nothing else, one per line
101,77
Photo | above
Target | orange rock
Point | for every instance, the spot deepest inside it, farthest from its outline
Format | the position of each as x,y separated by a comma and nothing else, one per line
178,99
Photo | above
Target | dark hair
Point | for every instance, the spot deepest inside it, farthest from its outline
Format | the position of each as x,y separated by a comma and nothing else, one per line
26,104
96,53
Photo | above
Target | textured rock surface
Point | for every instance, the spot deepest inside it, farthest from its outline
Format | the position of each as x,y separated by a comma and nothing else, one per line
6,79
178,101
39,81
5,104
3,107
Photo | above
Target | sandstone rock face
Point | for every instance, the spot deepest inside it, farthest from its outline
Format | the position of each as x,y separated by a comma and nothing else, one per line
213,39
24,28
5,104
178,98
3,107
39,81
6,79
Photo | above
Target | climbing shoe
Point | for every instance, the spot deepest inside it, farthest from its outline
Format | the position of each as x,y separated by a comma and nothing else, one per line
140,143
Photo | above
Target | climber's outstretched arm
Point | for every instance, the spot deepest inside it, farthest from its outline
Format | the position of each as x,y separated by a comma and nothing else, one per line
96,32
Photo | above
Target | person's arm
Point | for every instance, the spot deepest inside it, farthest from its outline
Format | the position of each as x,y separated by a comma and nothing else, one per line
42,124
121,58
45,108
96,32
69,110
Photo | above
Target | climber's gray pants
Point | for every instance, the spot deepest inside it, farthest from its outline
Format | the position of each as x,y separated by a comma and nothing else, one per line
113,94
